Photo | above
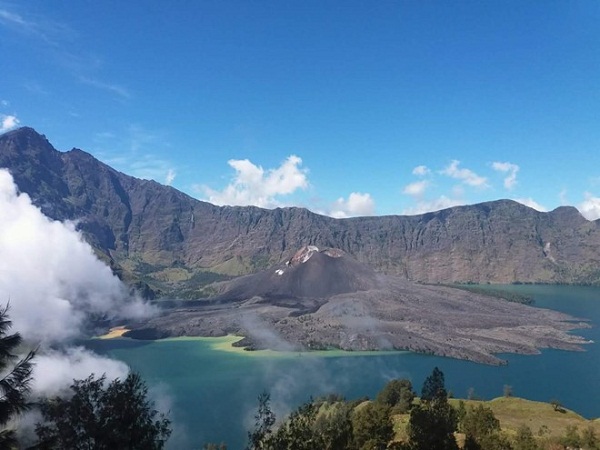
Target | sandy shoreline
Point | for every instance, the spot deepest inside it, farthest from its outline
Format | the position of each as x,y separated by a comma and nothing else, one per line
114,332
225,344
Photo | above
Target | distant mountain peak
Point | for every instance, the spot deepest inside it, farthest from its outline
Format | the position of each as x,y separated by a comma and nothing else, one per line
170,240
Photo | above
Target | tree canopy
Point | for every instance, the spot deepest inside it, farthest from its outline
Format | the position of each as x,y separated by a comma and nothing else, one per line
14,385
397,394
434,386
102,416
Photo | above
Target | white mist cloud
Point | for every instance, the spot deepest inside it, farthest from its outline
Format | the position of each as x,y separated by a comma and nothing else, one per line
357,204
171,174
421,171
253,185
55,370
590,207
531,203
510,169
50,275
8,122
55,284
416,189
465,175
562,197
425,206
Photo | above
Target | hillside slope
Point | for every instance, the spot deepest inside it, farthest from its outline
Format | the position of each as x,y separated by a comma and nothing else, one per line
176,243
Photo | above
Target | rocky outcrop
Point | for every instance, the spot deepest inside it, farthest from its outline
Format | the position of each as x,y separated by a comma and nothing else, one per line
175,243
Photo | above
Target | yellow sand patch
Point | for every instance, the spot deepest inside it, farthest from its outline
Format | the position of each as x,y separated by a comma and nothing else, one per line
114,332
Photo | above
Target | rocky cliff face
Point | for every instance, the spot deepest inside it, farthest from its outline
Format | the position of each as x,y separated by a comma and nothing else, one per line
173,242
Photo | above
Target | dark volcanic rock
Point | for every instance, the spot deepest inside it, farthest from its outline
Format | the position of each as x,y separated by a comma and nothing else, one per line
169,240
316,300
319,275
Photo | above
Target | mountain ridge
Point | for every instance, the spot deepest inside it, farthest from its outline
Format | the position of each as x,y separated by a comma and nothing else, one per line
176,244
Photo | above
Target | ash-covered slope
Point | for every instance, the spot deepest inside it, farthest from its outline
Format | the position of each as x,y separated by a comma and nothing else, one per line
309,274
325,299
177,244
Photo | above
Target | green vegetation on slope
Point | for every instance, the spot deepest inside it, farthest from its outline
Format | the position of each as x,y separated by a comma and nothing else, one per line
398,420
491,292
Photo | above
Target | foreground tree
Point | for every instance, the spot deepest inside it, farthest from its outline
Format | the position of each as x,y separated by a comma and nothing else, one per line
433,422
482,430
103,416
434,386
263,423
372,427
398,394
14,385
524,439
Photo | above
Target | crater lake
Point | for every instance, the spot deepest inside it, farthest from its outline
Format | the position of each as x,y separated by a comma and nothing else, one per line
211,391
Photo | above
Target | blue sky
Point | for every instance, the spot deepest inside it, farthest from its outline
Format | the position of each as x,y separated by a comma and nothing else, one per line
344,107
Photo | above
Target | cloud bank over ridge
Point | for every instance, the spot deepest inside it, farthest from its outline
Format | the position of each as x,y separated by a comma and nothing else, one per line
55,285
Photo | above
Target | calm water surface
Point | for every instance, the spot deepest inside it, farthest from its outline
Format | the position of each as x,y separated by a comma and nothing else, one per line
213,392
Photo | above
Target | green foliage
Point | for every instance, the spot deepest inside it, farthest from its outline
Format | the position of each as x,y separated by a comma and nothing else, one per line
479,422
571,437
334,425
433,386
397,394
101,417
589,440
482,430
432,425
14,385
372,426
513,297
211,446
461,411
297,432
524,439
315,425
263,423
495,441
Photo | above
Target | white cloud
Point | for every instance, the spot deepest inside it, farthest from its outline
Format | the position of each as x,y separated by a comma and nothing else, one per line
253,185
110,87
10,18
531,203
421,171
56,370
416,189
55,285
171,174
51,276
358,204
465,175
4,103
38,27
562,197
511,169
8,123
425,206
590,207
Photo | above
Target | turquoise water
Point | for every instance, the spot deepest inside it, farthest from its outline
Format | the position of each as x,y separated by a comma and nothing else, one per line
214,392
